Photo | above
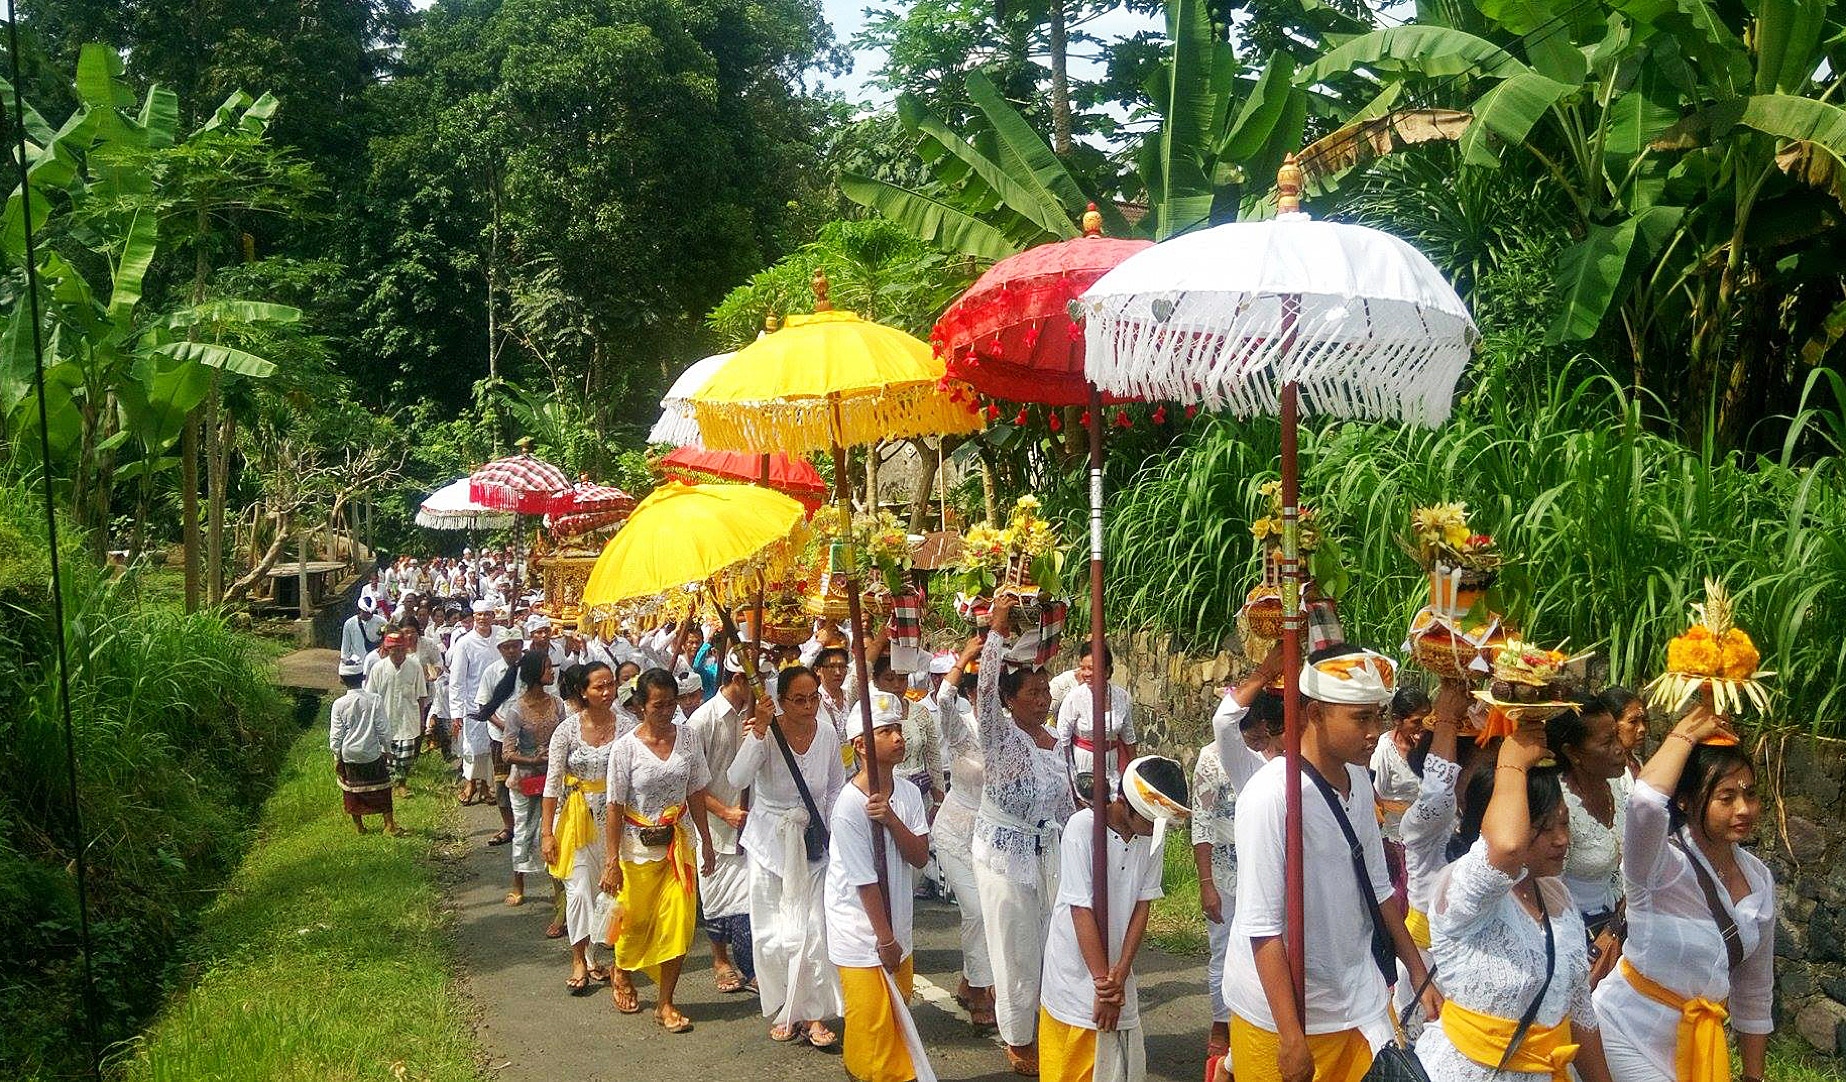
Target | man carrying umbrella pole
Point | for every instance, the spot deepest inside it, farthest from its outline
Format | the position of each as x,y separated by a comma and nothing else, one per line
1330,1036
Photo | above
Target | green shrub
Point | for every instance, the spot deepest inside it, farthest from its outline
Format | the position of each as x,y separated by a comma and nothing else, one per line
176,732
1612,528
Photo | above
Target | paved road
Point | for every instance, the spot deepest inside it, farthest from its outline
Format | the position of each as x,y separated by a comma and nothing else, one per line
534,1032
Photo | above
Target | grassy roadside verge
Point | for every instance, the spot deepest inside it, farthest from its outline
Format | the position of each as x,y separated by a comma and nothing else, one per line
326,957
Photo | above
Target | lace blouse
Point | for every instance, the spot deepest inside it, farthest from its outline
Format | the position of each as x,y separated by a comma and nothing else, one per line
1025,793
1673,939
1425,831
1214,818
1490,958
961,742
648,785
582,761
1595,852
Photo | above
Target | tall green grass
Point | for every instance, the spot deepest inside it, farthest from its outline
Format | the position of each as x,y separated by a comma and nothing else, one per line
177,734
326,956
1609,527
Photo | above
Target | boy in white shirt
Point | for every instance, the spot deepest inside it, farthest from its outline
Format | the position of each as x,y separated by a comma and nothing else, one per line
357,732
1089,1019
1345,692
869,926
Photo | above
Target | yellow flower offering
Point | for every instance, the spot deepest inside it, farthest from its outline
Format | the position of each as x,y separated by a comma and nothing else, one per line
1713,653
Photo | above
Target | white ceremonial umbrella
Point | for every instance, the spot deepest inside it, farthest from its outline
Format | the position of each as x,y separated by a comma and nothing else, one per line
449,508
677,425
1270,317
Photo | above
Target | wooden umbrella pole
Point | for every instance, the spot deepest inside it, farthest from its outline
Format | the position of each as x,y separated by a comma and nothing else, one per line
1294,869
761,637
842,487
1100,749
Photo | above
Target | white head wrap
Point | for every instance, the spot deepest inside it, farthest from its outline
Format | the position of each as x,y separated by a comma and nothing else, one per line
940,664
690,684
536,621
887,709
352,666
1151,803
482,606
1365,678
504,635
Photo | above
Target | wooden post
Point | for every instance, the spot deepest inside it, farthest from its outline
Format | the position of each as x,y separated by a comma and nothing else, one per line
304,622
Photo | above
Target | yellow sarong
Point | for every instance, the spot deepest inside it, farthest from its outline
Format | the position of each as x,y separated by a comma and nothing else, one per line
1483,1038
1699,1054
576,827
1344,1056
1418,922
659,901
874,1049
1065,1053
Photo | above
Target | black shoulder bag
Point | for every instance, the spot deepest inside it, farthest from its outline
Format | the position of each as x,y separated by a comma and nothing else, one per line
1397,1061
814,836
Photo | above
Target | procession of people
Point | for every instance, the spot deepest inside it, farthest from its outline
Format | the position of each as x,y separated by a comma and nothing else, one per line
1547,903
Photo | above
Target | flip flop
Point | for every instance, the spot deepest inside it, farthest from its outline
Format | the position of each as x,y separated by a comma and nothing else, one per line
828,1040
730,980
683,1025
554,931
501,838
579,986
783,1034
599,974
515,900
634,999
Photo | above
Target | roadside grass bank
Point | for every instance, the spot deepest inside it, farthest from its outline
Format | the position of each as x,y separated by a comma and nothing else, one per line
327,956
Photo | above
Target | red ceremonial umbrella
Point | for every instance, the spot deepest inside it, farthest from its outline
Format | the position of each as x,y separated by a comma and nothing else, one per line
1011,336
791,476
523,485
593,507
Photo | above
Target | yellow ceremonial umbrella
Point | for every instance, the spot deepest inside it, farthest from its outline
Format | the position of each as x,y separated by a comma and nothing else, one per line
686,537
830,380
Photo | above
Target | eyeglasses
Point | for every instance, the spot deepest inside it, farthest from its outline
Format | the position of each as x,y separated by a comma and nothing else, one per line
802,700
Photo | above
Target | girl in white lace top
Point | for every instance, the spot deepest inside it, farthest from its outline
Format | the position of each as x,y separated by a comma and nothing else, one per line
1586,743
951,838
1505,936
1025,800
1675,963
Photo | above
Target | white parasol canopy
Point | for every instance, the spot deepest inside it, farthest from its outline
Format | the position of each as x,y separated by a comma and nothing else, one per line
677,425
449,508
1204,319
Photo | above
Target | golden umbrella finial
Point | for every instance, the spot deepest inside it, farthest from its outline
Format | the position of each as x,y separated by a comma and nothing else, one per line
771,322
821,303
1092,221
1288,187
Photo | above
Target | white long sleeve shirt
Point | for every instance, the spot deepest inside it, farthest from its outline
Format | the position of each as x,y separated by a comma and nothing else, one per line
468,661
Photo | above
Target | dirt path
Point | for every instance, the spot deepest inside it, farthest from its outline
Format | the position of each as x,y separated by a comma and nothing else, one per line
309,670
534,1032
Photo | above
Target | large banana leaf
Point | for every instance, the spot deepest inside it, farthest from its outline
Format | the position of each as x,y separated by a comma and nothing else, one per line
213,355
930,219
142,240
231,310
1029,202
159,117
1509,110
1026,156
1185,196
1261,111
1787,32
1787,116
1592,270
1424,50
1545,35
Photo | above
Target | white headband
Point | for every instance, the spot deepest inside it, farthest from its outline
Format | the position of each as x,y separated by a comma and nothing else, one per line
1365,678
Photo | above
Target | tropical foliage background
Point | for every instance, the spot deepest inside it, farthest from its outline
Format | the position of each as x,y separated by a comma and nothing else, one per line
287,258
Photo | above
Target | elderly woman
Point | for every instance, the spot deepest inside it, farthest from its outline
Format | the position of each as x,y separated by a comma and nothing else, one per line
571,823
1701,916
1025,801
798,986
1585,743
657,777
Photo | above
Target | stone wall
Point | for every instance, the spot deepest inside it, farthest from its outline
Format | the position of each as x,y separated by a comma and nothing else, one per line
1802,837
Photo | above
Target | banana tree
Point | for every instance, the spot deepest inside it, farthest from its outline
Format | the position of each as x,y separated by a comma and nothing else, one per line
1687,139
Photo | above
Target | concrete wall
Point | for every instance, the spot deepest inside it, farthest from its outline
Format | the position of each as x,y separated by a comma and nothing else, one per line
1802,838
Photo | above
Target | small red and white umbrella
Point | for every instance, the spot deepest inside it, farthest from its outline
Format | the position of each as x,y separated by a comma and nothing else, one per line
523,485
593,507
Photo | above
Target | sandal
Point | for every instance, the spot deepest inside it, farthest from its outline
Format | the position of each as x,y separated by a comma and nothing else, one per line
783,1034
820,1036
514,899
554,931
627,1000
680,1024
501,838
730,979
1022,1065
599,974
579,986
982,1016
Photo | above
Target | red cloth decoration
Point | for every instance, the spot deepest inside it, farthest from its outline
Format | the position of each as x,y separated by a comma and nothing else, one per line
1121,419
790,476
1002,335
1160,415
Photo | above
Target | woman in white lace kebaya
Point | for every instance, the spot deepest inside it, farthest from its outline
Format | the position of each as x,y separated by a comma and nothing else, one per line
571,822
798,986
1586,743
951,838
1428,825
1025,800
1689,880
1511,958
657,778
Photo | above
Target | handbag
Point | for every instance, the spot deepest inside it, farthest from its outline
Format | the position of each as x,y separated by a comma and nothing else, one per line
814,836
532,784
656,836
1397,1061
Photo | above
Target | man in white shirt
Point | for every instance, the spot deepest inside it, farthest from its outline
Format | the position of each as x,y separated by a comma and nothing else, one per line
1347,1015
398,680
359,634
510,645
540,635
724,895
469,657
